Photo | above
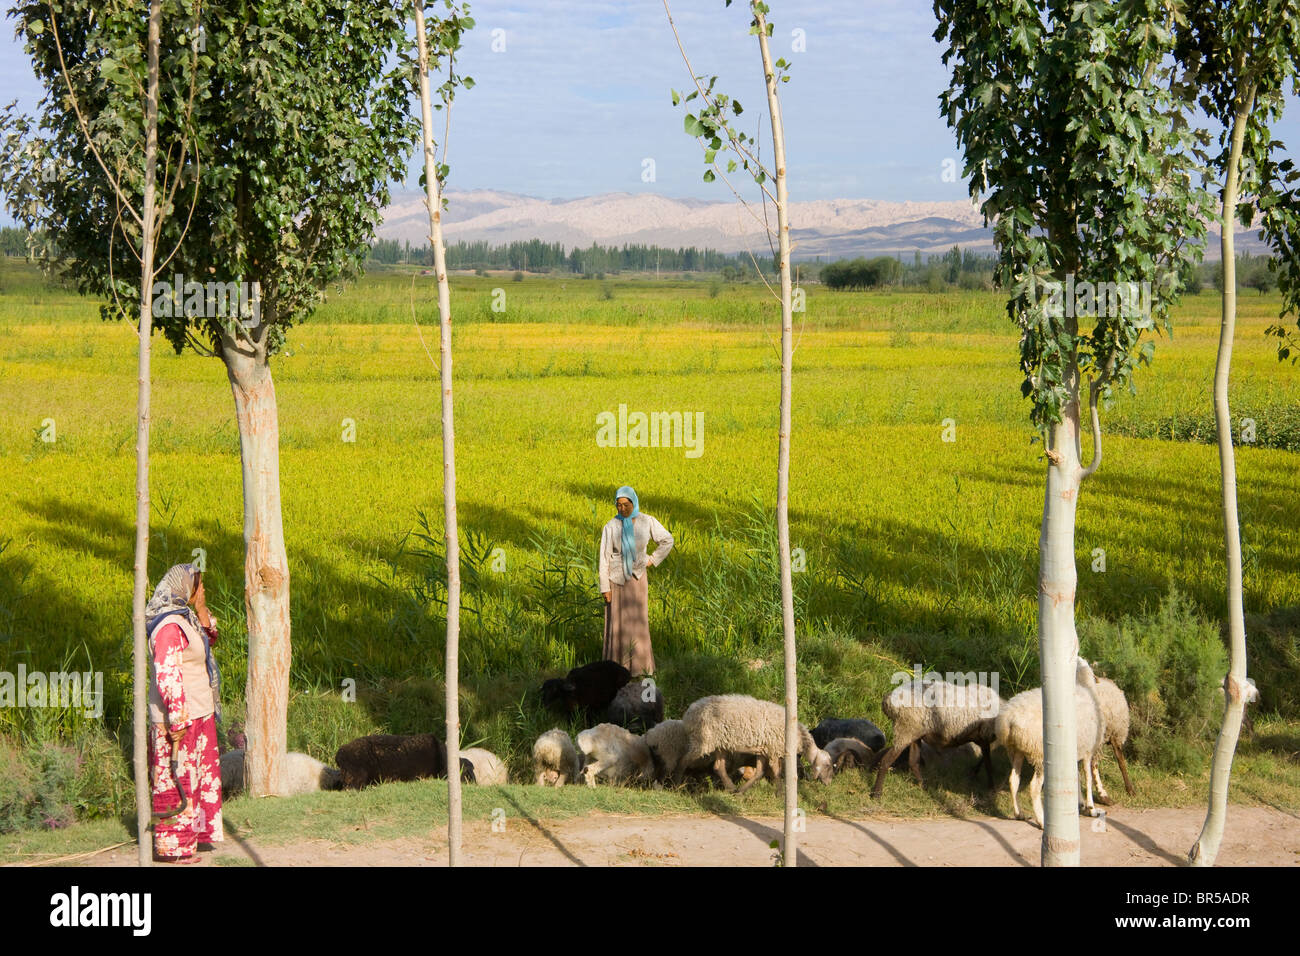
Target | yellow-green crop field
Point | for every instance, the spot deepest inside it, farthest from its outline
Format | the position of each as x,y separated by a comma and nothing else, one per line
918,550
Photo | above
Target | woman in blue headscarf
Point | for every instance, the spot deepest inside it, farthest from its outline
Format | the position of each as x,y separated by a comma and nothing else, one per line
623,565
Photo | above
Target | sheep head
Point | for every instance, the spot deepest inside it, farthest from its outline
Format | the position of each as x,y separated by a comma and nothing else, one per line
823,768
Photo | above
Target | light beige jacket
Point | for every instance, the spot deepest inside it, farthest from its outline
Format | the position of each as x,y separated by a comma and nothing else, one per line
194,675
645,530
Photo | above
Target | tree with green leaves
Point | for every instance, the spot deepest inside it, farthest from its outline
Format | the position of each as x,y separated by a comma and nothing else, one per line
1239,56
1076,148
713,124
446,41
299,121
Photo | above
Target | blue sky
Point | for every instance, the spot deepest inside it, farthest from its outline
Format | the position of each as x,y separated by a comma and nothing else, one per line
579,97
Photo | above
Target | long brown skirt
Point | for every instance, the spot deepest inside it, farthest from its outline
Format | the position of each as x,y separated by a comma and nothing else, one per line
627,626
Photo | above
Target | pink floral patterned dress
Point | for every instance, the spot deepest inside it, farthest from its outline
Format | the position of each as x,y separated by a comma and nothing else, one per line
182,698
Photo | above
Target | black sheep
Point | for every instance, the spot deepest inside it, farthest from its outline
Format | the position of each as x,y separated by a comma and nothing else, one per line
380,757
591,687
858,729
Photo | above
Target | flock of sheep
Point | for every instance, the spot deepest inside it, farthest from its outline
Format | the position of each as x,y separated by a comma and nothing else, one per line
737,734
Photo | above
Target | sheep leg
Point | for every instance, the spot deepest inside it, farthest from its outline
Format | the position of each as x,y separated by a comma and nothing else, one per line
986,761
720,768
1094,766
1015,784
758,775
1036,796
914,762
884,764
560,780
1092,810
1123,768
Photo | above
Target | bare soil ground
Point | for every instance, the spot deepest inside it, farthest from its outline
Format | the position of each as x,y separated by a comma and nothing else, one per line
1256,836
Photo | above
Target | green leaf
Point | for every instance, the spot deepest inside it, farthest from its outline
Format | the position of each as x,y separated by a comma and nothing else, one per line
709,176
676,99
693,126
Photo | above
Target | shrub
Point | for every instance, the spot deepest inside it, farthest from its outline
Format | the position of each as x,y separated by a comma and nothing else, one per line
34,787
1170,664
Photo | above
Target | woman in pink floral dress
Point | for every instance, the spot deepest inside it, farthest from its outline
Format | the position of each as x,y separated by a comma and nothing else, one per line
183,707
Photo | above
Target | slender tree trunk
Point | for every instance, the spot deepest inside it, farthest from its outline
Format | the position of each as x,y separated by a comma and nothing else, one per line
790,854
1058,643
433,197
266,564
140,716
1206,849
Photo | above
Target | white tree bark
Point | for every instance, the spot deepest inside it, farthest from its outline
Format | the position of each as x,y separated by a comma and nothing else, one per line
140,597
266,564
433,198
1206,849
1058,643
790,853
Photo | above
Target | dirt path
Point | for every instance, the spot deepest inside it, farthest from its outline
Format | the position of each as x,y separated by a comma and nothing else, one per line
1257,836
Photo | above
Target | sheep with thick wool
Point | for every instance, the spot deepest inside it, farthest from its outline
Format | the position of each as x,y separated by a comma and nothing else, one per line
615,755
1019,729
733,724
488,768
555,759
1115,716
667,742
302,774
941,714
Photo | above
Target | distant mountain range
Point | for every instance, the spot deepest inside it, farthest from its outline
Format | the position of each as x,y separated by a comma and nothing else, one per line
829,228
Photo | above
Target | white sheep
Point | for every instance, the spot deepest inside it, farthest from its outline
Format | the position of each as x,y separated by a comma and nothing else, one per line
616,755
555,759
1019,728
1114,713
302,774
488,768
731,724
667,741
941,714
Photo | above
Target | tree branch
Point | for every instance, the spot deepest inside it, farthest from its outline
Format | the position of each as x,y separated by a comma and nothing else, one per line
85,130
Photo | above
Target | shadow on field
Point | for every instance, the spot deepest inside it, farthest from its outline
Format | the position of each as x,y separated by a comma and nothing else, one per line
1142,840
542,830
338,618
892,850
712,803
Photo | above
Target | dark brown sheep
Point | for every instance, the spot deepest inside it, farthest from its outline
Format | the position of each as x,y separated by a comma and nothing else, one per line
591,688
381,757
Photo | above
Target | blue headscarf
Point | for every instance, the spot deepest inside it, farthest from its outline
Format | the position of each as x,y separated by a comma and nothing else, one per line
629,529
172,596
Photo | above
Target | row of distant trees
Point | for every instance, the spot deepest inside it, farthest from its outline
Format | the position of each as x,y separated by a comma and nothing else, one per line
538,256
956,268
